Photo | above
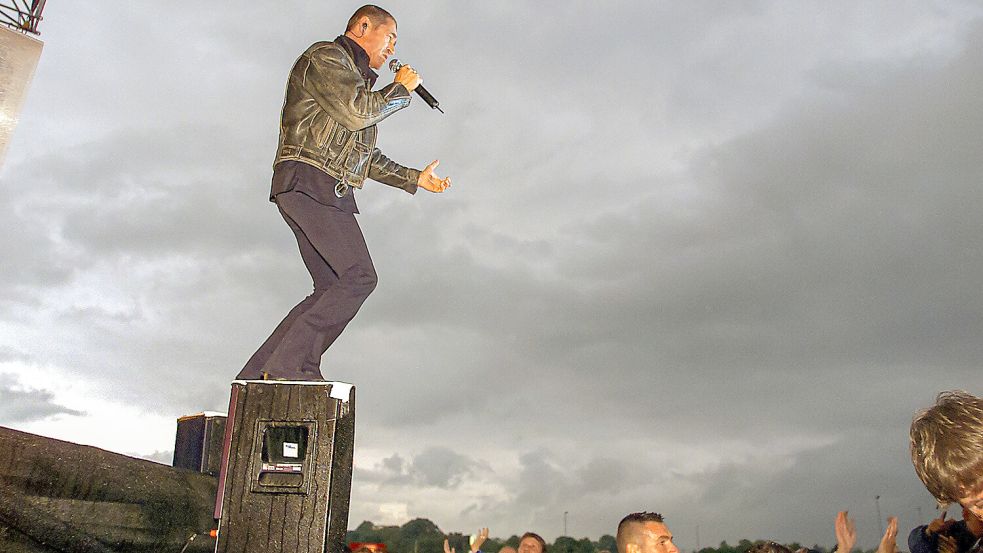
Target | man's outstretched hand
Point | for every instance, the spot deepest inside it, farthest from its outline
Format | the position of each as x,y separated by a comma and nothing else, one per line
430,181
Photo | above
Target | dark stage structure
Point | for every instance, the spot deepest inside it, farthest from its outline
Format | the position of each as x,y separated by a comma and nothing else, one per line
286,475
20,50
198,442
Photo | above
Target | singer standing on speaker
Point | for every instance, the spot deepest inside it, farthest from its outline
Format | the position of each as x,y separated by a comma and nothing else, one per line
325,153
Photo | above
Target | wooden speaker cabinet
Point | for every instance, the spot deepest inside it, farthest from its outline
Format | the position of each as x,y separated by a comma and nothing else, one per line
198,442
286,472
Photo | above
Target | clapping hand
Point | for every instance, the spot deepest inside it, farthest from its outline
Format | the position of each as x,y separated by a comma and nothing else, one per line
947,544
478,540
846,533
889,542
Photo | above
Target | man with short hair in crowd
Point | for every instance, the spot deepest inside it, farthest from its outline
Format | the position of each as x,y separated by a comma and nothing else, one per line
644,532
531,542
947,452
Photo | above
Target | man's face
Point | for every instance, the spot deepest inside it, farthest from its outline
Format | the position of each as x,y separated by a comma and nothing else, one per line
379,42
530,545
654,537
973,523
973,503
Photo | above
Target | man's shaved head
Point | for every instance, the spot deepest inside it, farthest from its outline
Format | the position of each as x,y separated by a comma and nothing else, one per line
643,516
644,532
375,15
507,549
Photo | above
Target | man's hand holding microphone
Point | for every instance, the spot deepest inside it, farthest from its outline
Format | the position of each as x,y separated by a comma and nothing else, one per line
408,77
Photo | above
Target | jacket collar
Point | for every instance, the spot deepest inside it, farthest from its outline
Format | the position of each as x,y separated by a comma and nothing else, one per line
360,57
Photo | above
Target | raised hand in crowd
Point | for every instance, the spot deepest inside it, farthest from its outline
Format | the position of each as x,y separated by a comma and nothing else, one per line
947,544
889,542
846,533
476,542
478,539
939,525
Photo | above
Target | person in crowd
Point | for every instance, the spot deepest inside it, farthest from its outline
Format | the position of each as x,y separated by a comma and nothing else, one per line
531,542
643,532
947,536
947,450
507,549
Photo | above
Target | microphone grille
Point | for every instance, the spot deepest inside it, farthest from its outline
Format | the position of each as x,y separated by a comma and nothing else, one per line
394,65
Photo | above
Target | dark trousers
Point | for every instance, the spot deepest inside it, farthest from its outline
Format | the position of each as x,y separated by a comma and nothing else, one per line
334,251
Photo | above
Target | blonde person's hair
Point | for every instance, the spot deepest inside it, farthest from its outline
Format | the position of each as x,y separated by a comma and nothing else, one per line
947,446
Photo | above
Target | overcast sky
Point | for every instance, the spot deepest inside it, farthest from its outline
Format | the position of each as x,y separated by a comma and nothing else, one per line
703,258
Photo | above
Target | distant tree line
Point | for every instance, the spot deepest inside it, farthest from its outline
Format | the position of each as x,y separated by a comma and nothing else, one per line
743,546
423,536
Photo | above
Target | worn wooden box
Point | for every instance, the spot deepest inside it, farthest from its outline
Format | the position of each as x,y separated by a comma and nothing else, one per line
287,467
198,442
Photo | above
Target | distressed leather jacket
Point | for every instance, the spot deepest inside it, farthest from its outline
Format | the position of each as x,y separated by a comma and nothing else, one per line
330,114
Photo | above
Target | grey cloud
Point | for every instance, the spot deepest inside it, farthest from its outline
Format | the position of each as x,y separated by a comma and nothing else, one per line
31,258
820,283
442,467
11,354
437,467
19,405
162,457
796,499
181,199
772,495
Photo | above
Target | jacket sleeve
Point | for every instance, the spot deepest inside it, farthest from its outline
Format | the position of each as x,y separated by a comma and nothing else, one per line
342,93
387,171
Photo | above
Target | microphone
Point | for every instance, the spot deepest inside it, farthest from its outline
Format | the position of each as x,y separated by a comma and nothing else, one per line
394,66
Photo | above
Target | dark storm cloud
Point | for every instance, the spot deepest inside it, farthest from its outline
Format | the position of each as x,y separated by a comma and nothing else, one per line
162,457
821,280
161,225
11,354
825,239
31,259
708,264
437,467
141,193
18,405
